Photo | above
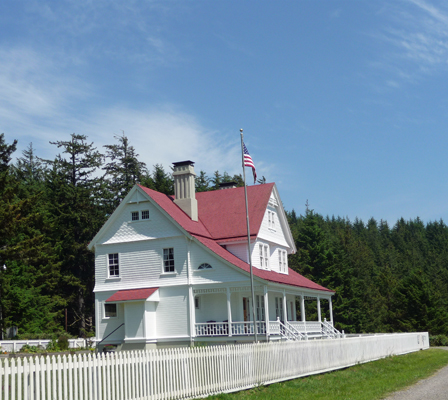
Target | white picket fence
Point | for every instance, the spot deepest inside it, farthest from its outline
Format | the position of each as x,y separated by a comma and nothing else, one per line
12,346
181,373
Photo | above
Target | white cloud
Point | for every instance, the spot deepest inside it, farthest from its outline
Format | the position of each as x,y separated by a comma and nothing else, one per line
163,135
419,36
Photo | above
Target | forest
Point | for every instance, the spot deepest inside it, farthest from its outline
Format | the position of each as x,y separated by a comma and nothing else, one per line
387,278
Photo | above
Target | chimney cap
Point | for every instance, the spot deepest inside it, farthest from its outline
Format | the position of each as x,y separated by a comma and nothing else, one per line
180,163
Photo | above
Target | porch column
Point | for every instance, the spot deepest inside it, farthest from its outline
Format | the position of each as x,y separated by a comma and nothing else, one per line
285,310
229,312
302,308
319,316
266,312
331,310
192,312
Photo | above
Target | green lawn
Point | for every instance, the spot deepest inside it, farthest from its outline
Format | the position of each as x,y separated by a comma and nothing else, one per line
371,381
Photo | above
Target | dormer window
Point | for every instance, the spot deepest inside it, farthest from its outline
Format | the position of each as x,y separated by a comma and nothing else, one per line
282,261
264,255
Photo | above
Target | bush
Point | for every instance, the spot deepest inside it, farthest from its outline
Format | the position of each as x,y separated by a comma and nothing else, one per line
63,343
31,349
438,340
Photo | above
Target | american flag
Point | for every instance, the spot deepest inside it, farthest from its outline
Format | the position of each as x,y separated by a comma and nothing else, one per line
248,162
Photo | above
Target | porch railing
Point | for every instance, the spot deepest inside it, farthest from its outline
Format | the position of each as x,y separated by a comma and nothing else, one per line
213,328
291,329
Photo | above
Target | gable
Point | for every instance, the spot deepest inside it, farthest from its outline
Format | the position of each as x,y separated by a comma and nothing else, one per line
274,226
121,228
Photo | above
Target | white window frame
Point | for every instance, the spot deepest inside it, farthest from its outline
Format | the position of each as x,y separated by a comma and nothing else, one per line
115,265
197,303
279,308
260,315
265,254
146,214
271,220
168,260
205,267
282,261
105,311
135,216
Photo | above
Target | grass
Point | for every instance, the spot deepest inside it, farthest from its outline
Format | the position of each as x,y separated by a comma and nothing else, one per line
371,381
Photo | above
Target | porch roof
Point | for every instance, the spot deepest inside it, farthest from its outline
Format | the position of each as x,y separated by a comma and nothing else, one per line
132,294
292,278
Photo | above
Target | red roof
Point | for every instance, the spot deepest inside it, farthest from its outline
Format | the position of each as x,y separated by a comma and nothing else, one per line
223,212
222,217
131,294
292,278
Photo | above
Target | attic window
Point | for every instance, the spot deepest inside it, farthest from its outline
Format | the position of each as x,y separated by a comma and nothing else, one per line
134,215
145,214
205,266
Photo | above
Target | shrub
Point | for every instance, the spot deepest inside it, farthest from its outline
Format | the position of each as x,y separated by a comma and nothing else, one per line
63,343
438,340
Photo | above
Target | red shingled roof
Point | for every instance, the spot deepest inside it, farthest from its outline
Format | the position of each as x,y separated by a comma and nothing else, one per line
223,212
131,294
222,217
293,278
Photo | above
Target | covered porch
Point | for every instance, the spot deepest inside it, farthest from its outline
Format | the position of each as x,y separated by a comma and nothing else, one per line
280,314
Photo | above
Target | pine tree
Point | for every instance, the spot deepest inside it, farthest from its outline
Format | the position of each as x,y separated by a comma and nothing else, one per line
73,190
122,171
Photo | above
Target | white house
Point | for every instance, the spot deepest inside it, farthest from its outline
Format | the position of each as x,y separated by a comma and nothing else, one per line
173,270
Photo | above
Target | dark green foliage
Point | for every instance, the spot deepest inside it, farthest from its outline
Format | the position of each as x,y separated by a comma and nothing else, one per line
123,171
63,343
386,280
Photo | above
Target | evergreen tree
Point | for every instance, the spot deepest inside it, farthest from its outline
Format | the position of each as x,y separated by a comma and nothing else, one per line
73,190
122,171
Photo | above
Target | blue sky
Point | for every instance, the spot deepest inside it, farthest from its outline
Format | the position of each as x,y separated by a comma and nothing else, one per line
343,103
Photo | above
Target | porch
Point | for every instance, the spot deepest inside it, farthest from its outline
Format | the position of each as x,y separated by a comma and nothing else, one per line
280,315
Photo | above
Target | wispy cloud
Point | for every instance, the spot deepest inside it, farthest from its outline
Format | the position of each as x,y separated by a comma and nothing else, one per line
419,36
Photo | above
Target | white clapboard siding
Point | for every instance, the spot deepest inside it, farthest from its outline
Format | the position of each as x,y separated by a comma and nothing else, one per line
182,373
172,312
274,235
123,229
220,272
141,264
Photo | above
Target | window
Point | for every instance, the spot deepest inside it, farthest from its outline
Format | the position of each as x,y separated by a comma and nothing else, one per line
114,269
260,307
282,260
271,219
264,256
134,215
110,310
168,260
197,302
145,214
279,308
205,266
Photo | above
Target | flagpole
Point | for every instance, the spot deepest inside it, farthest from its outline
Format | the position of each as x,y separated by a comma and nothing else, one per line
248,241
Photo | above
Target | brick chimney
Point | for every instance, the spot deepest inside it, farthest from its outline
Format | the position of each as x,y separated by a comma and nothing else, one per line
184,188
